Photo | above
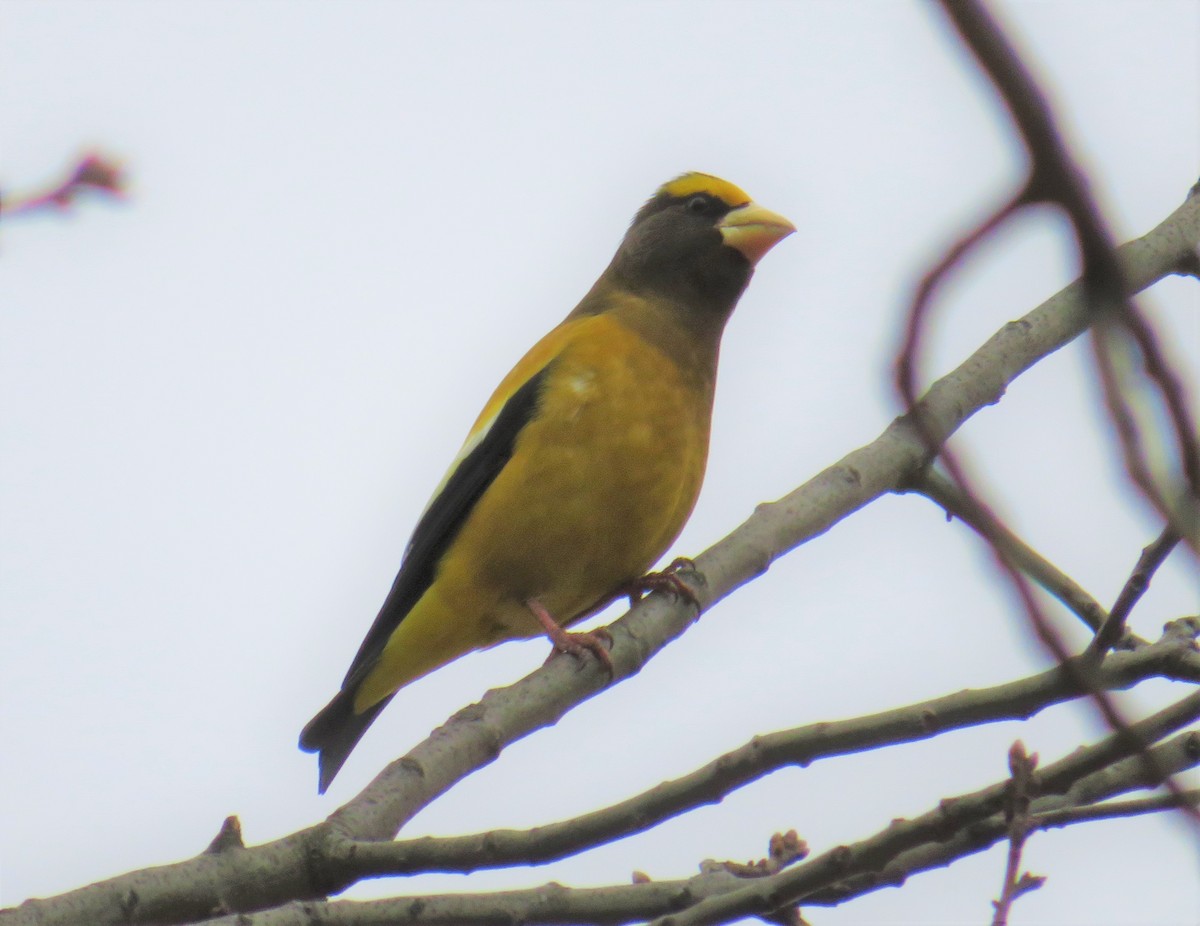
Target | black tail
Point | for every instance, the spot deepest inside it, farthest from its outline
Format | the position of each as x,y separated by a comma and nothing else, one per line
335,731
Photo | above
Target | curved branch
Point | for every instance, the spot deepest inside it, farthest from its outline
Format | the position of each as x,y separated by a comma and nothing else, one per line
1055,178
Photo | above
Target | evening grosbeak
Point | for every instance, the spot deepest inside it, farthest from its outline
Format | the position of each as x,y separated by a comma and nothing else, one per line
582,467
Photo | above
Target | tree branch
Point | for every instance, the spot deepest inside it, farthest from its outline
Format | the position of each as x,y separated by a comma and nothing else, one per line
1095,771
1135,586
1173,656
1173,757
957,827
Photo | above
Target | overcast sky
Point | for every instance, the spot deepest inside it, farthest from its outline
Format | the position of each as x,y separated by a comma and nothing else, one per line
226,401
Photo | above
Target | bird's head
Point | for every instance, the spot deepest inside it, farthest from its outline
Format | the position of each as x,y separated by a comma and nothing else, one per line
698,237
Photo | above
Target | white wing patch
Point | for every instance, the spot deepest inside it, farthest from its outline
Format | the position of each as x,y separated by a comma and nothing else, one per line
582,384
472,441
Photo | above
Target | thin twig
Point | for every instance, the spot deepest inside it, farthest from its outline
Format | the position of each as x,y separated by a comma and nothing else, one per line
1016,814
1153,556
1115,810
1175,755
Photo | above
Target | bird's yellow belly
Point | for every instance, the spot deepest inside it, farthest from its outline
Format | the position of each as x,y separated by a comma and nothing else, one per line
621,445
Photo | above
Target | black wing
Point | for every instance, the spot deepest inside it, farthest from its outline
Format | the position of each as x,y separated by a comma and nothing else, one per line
337,728
444,518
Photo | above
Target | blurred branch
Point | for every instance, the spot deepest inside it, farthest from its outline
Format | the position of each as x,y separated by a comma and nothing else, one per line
92,172
1052,178
1117,349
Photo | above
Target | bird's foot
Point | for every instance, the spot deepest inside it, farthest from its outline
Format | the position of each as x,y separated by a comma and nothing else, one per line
597,642
667,580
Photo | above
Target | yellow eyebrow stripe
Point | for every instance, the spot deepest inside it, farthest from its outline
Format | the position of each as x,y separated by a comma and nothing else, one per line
690,184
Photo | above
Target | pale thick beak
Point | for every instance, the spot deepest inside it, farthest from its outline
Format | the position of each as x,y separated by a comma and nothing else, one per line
754,230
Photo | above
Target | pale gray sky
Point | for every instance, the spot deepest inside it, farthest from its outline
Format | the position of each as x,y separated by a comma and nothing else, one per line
226,402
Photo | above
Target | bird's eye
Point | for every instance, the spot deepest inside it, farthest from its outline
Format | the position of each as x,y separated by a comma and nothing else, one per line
698,205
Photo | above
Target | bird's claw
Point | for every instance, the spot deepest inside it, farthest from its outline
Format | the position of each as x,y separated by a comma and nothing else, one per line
597,642
668,580
592,641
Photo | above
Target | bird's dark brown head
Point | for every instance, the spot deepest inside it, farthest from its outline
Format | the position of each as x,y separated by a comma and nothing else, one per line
697,241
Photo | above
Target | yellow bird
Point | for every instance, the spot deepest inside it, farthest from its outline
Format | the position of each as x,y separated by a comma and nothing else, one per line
582,468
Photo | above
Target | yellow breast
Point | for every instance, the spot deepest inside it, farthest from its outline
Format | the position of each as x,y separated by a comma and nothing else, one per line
601,481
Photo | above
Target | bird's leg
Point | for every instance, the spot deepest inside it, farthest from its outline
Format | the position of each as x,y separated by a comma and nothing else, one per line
666,581
574,643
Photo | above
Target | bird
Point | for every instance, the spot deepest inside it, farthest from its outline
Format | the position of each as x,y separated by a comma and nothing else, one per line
581,469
